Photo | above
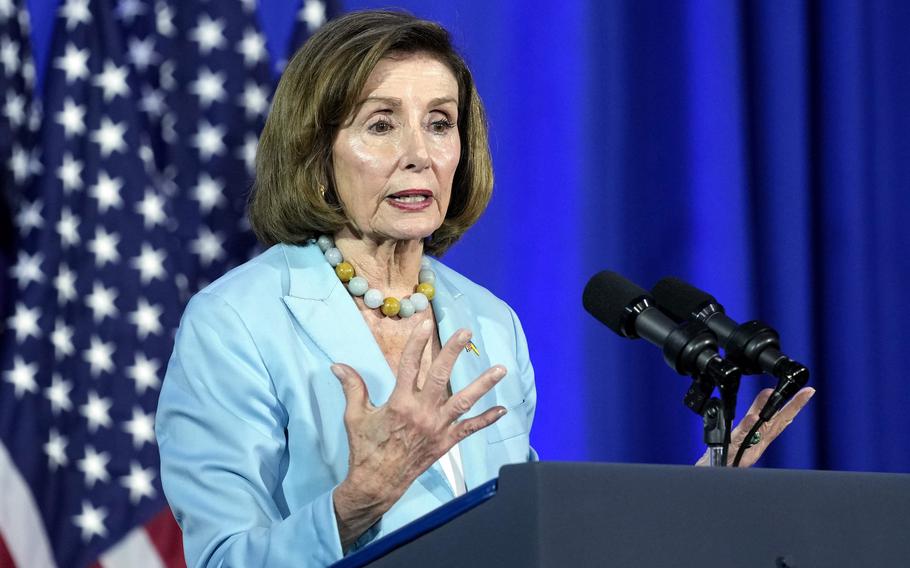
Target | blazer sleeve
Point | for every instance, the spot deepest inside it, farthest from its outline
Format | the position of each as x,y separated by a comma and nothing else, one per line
526,373
221,434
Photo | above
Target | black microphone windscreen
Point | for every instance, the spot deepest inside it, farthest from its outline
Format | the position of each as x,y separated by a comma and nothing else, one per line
606,297
680,299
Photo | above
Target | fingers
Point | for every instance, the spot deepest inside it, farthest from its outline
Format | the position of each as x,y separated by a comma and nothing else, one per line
441,369
760,400
463,400
786,415
355,390
770,430
465,428
409,364
737,437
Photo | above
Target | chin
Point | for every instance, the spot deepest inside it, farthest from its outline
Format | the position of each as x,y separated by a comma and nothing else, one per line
413,230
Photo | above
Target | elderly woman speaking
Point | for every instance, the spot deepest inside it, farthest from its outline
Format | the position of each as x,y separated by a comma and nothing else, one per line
344,382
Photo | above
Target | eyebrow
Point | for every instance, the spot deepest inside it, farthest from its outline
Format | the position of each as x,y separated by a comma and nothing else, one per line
396,102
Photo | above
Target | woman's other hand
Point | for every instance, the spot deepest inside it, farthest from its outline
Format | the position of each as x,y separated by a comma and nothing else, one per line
768,432
391,445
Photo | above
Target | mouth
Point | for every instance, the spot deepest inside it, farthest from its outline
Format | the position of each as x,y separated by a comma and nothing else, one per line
411,199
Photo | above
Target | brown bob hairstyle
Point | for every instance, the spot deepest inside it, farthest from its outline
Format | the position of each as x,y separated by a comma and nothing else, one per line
319,93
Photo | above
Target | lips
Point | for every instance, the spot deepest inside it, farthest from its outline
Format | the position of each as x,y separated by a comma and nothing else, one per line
412,193
411,199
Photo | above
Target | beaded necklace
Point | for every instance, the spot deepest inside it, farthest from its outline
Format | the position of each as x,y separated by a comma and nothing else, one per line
373,298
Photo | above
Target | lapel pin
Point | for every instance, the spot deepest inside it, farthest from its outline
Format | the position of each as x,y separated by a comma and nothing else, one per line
470,347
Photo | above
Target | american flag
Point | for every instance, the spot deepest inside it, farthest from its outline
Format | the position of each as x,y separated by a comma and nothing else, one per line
143,163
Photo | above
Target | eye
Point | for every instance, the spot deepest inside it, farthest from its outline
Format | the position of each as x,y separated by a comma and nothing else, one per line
441,126
382,126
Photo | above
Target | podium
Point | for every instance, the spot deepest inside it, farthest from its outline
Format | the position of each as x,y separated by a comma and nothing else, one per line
611,515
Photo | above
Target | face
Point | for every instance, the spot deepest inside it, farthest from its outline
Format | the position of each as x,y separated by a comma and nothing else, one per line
395,161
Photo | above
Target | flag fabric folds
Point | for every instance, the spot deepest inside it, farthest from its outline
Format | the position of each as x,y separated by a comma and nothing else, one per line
152,112
20,114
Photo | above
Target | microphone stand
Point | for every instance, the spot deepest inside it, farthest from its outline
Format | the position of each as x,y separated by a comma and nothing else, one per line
716,432
717,413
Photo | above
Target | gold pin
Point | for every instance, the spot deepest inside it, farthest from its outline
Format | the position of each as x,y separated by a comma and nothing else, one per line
470,347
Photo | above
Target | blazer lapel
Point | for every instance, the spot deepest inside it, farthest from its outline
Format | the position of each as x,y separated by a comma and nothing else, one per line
325,310
453,312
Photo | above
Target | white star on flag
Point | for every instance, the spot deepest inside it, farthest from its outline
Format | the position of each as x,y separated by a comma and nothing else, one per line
9,56
139,482
128,10
144,372
142,53
208,192
65,284
313,14
94,466
255,100
107,191
22,377
146,318
247,153
55,448
104,247
209,139
15,109
141,427
75,12
91,521
74,63
112,81
29,217
209,87
96,411
70,173
68,228
62,338
209,34
99,356
101,302
252,47
25,322
109,137
27,269
208,246
72,118
151,208
59,394
149,263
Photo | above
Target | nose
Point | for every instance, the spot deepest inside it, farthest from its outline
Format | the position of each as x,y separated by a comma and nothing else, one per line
415,155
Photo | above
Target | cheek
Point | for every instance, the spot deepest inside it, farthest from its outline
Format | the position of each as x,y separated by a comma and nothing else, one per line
447,159
370,158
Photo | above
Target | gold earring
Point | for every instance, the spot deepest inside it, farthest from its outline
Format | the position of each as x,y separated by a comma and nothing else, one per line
322,190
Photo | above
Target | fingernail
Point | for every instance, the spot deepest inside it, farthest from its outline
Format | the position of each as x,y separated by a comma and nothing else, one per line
427,324
464,335
502,412
501,372
337,370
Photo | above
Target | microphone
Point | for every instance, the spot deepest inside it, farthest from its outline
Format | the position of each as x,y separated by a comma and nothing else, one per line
689,348
753,346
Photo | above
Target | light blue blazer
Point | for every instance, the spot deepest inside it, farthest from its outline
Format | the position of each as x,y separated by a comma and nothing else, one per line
250,418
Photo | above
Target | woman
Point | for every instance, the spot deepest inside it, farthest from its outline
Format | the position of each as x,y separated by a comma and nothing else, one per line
331,389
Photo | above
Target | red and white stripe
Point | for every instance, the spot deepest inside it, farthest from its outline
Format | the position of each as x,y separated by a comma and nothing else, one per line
24,544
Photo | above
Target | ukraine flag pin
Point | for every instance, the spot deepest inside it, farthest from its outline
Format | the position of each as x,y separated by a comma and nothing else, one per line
470,347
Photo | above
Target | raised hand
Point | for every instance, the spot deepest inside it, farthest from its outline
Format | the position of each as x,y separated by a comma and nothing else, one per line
391,445
768,432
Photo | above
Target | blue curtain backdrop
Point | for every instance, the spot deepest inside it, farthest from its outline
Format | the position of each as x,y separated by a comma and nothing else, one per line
760,150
